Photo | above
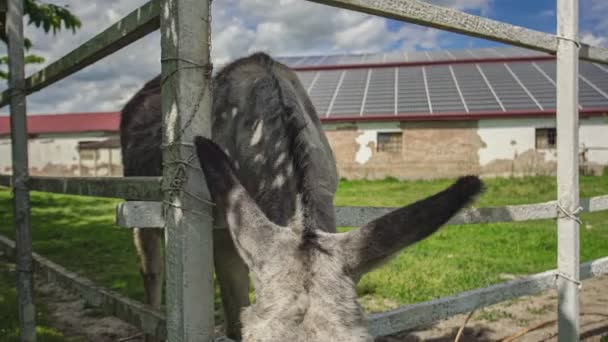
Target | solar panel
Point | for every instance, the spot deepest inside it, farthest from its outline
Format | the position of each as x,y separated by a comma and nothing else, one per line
289,61
588,97
351,59
331,60
518,51
309,61
548,67
543,73
373,58
394,57
485,53
411,91
541,88
417,56
380,98
595,74
475,91
350,95
507,52
462,54
439,55
323,90
442,90
510,93
298,61
306,77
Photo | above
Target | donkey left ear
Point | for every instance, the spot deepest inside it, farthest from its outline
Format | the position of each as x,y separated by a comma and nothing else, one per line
250,228
380,239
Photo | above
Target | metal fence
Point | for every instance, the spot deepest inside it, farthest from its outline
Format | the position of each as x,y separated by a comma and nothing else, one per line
161,202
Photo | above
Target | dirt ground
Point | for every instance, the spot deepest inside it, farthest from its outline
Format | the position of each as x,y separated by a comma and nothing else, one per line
495,323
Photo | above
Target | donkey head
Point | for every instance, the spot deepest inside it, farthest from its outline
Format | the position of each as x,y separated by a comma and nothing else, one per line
305,278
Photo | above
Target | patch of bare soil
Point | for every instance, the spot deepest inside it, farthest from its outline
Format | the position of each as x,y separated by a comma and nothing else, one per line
74,318
70,315
503,320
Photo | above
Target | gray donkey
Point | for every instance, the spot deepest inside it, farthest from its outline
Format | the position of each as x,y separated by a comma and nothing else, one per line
272,175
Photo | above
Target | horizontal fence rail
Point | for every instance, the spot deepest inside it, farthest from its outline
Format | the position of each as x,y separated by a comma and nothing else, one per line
421,314
134,26
448,19
149,214
381,324
134,188
145,208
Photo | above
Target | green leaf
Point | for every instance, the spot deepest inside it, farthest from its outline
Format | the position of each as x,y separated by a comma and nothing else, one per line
50,16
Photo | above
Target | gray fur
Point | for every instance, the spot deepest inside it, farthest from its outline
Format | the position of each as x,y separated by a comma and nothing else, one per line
272,175
305,280
248,123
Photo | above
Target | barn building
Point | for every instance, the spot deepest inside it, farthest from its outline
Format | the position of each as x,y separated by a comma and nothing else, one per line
76,144
408,115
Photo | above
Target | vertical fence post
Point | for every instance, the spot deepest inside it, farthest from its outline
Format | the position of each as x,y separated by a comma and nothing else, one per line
186,106
21,210
567,170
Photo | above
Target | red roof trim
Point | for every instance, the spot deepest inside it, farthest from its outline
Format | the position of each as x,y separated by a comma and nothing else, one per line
421,63
108,122
457,116
67,123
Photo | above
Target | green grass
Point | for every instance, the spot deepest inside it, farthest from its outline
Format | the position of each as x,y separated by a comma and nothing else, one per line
9,320
79,233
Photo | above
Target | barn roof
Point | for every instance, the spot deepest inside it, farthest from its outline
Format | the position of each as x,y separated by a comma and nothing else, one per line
434,85
67,123
466,84
411,57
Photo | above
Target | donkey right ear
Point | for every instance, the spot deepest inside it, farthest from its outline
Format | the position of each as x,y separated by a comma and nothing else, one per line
249,227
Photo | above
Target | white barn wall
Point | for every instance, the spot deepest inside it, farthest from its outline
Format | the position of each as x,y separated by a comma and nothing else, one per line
505,138
439,149
594,135
55,155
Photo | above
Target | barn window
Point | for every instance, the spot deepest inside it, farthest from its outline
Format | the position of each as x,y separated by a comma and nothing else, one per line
546,138
389,142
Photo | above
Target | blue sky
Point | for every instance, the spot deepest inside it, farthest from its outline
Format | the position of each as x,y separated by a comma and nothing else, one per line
280,27
538,15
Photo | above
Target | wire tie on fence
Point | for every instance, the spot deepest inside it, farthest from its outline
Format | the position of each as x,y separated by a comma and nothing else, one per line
572,215
208,67
576,42
578,283
14,91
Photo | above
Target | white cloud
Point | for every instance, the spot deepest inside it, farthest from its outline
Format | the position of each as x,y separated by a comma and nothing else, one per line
280,27
594,22
591,39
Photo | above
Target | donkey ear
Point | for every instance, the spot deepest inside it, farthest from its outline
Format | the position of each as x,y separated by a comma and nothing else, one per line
248,225
377,241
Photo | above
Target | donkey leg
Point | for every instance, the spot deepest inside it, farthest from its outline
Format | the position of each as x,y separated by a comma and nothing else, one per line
148,243
233,277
